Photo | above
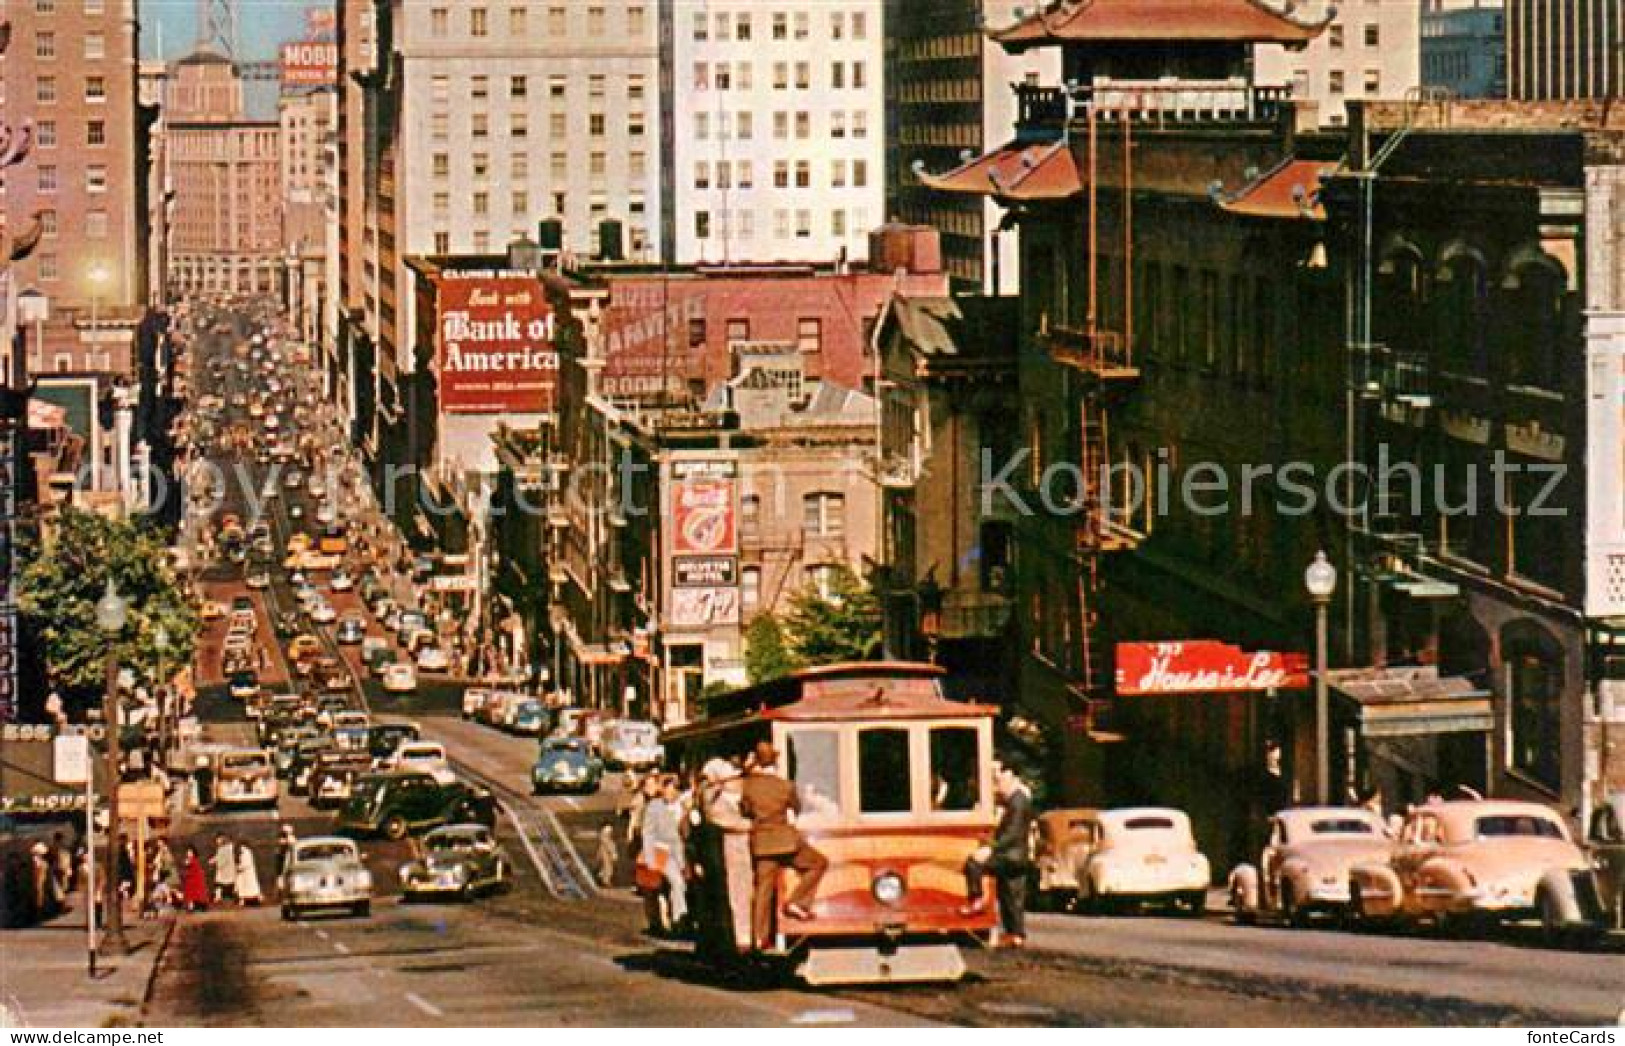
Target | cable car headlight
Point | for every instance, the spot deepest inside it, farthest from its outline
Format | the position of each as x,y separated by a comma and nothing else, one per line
888,888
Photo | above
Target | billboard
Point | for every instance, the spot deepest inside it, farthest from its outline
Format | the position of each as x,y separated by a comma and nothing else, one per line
309,63
1203,666
495,350
703,544
646,343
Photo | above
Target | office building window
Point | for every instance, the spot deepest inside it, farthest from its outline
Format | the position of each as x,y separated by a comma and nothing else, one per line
597,163
519,166
809,334
800,22
440,89
95,46
440,164
45,134
558,125
860,77
743,127
1373,35
96,225
803,174
837,123
781,125
750,591
702,175
781,223
96,177
745,176
595,124
803,224
837,222
781,25
482,204
702,126
521,203
634,22
479,88
702,26
95,88
1334,35
479,125
702,225
781,174
837,74
440,126
519,124
636,165
46,177
860,25
1334,81
596,85
803,125
860,123
477,24
860,173
44,45
482,166
560,166
724,25
557,21
634,88
781,76
823,515
442,203
45,90
837,174
517,22
442,242
518,87
47,223
1373,81
482,241
439,21
595,21
803,75
742,26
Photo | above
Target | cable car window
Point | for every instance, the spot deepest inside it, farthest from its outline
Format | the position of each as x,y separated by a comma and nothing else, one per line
815,767
883,772
955,772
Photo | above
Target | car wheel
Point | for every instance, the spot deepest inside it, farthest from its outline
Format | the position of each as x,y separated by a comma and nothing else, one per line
1290,909
1194,903
362,909
289,914
394,827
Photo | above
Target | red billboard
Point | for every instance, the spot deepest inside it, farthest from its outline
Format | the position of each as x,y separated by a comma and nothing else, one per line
703,517
310,63
496,351
1204,666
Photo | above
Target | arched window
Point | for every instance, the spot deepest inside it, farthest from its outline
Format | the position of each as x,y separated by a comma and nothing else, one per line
1531,321
1400,294
1461,308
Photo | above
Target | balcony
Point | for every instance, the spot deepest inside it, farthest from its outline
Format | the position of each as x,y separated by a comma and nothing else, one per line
1167,102
1103,354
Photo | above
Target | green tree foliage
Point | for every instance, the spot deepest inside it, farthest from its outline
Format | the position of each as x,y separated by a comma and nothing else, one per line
63,580
844,627
766,656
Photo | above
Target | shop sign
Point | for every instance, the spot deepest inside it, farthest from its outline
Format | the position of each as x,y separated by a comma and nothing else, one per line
1201,666
704,571
703,607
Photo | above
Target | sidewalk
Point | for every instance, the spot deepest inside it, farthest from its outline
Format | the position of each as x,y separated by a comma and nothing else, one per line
44,981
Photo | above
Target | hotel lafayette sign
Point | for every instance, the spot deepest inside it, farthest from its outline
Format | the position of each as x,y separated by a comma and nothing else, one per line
496,350
1202,666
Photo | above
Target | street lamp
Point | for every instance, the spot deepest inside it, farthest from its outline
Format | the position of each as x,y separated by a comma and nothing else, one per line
1321,581
112,613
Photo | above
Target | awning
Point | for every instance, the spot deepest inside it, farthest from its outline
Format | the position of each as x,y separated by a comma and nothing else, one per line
1017,171
1291,191
1413,701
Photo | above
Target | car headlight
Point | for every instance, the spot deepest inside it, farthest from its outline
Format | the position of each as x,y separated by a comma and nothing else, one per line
301,881
363,879
888,888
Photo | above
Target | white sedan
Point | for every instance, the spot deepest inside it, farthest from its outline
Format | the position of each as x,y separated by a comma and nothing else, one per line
433,659
322,612
400,678
341,581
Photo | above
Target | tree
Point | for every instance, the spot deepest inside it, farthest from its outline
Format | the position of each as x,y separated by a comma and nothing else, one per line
65,577
845,625
766,656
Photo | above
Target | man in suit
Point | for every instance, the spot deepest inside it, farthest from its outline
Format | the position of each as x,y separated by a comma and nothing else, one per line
776,844
1006,857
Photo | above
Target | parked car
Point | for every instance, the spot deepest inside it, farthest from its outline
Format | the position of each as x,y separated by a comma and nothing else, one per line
461,860
474,699
632,744
351,630
1471,859
393,805
1304,868
566,764
529,719
325,873
1109,860
433,659
400,678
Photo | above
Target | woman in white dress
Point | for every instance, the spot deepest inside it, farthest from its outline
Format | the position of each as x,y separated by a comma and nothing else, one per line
248,878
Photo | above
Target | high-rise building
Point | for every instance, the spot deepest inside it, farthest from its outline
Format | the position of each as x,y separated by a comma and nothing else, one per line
1368,50
71,72
225,169
1558,49
307,130
1464,49
947,94
777,124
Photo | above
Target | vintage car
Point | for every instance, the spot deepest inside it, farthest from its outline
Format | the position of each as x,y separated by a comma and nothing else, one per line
1605,842
244,685
304,761
566,764
428,757
474,699
399,678
244,777
330,675
393,805
460,860
1304,868
211,610
328,706
384,738
333,775
1111,859
1471,859
287,747
324,874
530,719
632,744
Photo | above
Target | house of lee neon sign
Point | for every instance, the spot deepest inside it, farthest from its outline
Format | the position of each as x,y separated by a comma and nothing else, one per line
1203,666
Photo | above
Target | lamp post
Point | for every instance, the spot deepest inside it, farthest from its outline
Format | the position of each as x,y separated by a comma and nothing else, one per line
1321,581
112,613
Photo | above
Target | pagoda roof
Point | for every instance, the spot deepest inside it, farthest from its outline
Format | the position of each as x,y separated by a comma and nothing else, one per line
1290,190
1156,21
1018,171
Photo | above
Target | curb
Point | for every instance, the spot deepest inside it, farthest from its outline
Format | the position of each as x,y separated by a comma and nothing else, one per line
161,951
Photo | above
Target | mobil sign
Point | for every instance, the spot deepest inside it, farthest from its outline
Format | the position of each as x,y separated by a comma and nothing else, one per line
495,351
309,63
1204,666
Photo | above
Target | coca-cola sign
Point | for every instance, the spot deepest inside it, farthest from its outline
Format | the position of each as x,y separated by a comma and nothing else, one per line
1205,666
496,352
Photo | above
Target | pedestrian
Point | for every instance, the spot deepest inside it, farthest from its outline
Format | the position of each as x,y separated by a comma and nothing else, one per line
62,863
285,842
1006,857
609,855
163,879
194,887
39,869
728,886
224,866
248,878
126,870
776,844
662,850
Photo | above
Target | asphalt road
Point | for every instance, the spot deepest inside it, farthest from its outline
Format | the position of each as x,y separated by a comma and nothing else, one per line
527,957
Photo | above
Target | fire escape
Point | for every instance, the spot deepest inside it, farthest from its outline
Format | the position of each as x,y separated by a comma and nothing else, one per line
1101,354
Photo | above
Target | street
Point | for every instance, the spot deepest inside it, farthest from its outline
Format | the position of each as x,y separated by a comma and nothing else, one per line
556,949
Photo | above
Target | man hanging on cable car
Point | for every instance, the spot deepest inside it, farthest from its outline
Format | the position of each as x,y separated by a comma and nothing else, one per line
1006,857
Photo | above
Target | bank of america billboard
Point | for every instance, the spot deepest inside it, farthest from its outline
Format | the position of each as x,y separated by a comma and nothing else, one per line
496,351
